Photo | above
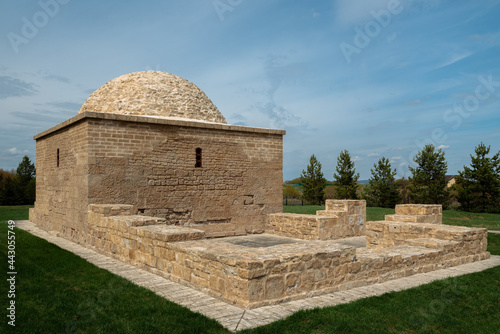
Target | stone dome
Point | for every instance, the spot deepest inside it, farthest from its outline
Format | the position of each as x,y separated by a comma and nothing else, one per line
153,93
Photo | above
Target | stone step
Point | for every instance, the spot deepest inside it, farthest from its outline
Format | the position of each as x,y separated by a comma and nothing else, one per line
169,233
329,213
422,219
432,243
136,220
406,218
405,251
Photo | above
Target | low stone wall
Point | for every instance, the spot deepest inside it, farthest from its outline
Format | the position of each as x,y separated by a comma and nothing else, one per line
136,239
340,219
417,213
264,275
460,240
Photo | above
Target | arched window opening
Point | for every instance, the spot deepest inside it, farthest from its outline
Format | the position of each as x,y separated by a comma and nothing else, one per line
198,158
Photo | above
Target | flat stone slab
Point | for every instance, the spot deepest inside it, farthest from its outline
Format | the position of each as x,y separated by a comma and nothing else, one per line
356,242
260,240
235,318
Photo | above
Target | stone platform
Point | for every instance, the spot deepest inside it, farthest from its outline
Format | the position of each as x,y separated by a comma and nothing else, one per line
236,318
265,269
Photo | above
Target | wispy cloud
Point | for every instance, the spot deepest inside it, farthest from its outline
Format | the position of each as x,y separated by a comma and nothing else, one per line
54,77
277,75
16,151
12,87
454,58
413,102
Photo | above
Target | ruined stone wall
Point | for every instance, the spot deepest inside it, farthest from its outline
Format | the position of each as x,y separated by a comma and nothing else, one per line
268,275
152,167
62,191
383,234
417,213
340,219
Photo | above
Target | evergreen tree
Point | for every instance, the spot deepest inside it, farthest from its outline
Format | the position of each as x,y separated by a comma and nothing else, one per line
428,183
24,174
7,191
346,178
381,190
479,186
313,182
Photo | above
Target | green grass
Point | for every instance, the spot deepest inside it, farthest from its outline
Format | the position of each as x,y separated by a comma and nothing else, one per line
58,292
19,212
461,218
306,209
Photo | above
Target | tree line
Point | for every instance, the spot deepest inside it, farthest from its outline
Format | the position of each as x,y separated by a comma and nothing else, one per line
477,187
18,187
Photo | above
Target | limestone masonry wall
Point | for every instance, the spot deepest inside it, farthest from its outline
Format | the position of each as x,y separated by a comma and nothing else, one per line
268,275
149,163
340,219
417,213
62,182
152,167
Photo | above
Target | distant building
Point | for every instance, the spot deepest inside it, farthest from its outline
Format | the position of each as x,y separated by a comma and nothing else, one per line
450,180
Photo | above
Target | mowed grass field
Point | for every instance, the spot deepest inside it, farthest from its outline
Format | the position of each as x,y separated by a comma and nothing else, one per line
58,292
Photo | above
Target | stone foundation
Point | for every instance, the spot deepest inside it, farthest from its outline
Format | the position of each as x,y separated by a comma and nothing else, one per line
281,268
340,219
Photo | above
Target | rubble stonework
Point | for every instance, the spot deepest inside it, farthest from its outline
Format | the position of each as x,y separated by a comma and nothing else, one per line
153,93
340,219
254,277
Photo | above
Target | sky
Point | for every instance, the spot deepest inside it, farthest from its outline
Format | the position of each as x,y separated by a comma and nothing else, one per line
379,78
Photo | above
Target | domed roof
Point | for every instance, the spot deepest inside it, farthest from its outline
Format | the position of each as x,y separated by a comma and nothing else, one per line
153,93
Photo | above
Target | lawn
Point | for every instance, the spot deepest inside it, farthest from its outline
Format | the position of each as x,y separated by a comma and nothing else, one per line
58,292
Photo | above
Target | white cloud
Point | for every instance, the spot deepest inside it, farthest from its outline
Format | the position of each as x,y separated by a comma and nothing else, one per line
353,12
356,158
373,155
15,150
443,147
453,59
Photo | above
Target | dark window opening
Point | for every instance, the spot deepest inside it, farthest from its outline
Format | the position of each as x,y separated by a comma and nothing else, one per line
198,158
57,157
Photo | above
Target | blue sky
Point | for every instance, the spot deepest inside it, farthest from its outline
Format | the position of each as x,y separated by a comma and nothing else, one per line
378,78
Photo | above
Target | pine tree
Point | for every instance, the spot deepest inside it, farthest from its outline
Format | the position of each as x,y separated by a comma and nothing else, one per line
479,186
346,179
313,182
428,183
24,174
381,190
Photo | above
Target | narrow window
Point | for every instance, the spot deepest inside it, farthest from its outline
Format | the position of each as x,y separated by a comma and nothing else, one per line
198,158
57,157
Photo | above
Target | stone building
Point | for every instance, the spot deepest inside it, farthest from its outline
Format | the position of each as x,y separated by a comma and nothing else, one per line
155,141
149,172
